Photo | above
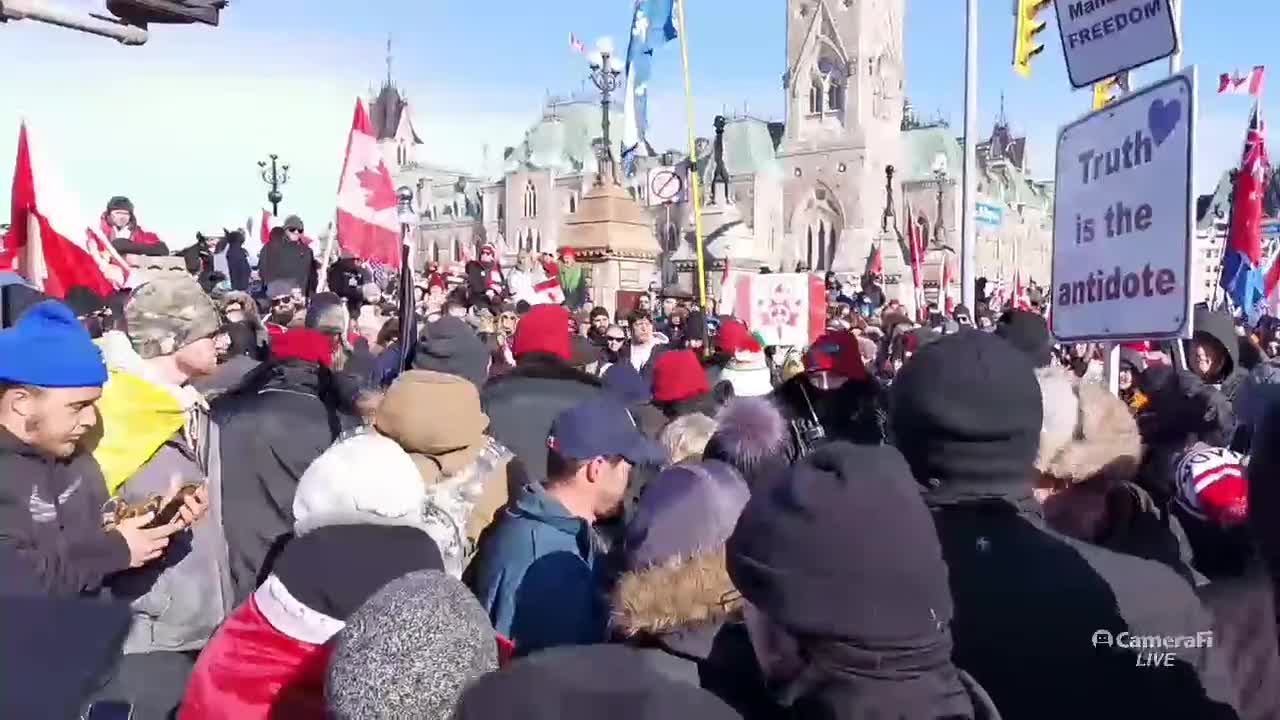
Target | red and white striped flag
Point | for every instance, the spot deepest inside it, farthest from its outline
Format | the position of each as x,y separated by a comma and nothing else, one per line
1248,84
50,241
576,45
368,224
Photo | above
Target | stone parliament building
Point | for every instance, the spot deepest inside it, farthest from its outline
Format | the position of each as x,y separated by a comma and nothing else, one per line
807,192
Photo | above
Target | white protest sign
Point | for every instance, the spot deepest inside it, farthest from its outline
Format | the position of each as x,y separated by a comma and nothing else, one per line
1103,37
1122,222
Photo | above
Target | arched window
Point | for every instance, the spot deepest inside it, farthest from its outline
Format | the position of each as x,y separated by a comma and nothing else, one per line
573,202
835,95
809,250
530,200
435,251
457,249
815,95
822,246
537,241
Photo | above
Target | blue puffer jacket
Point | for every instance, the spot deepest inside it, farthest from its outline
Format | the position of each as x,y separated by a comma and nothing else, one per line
536,574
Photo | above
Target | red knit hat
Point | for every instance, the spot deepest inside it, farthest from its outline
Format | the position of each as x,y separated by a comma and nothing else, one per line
678,375
545,328
836,352
303,344
733,337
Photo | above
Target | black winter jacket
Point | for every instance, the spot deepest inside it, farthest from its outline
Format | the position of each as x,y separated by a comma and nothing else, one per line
1035,610
283,417
285,259
522,404
855,412
51,522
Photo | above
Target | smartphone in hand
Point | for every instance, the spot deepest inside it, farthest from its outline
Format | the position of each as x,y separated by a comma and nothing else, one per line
174,506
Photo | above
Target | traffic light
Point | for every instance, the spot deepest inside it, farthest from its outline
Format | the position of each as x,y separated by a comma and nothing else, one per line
1108,90
164,12
1026,28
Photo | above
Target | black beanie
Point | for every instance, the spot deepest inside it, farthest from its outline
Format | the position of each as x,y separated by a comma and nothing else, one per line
449,345
844,547
120,202
1029,333
584,683
966,409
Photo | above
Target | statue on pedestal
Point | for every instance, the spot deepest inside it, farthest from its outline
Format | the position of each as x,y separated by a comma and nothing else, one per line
720,174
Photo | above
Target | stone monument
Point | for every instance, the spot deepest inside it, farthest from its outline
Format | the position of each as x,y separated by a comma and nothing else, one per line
610,234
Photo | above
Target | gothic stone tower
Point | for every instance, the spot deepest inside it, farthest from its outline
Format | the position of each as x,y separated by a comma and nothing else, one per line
843,88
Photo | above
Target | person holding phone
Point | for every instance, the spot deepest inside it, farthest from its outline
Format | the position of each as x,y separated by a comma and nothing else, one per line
51,494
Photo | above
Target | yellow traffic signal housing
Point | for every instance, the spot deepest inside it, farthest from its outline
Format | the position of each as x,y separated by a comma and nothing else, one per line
1026,28
1108,90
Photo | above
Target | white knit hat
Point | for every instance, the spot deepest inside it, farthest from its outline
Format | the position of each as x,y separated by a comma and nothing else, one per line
366,479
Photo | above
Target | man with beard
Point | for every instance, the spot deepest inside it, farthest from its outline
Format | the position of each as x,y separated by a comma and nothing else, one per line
286,305
834,398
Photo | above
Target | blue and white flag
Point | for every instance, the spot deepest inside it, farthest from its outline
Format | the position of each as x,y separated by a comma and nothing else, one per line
652,26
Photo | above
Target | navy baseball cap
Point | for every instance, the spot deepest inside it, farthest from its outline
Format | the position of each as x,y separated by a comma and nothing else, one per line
602,428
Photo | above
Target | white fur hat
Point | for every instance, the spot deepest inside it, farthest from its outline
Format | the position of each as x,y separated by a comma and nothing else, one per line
366,479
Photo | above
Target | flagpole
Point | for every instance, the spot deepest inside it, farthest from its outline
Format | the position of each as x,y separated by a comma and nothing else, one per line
693,156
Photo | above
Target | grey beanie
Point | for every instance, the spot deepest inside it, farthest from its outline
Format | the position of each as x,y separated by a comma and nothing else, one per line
410,650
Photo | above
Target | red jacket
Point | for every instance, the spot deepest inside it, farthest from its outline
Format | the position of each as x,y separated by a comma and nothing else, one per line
267,660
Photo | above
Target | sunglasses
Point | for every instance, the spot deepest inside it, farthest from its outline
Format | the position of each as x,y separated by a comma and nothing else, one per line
286,300
614,339
293,230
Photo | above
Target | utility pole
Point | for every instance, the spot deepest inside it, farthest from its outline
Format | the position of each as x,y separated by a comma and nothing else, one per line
968,234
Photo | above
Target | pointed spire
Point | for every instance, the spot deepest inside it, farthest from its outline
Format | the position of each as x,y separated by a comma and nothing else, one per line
388,59
1002,119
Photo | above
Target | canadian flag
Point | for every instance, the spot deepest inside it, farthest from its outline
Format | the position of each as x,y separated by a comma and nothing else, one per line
1020,299
948,302
50,241
549,291
1271,287
1248,84
368,226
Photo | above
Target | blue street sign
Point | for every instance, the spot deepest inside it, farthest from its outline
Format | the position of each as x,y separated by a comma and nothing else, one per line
987,214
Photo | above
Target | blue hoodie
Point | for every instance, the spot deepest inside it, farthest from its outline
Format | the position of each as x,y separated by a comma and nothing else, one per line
535,573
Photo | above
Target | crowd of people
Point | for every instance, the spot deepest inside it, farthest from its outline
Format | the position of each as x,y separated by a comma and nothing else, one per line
247,493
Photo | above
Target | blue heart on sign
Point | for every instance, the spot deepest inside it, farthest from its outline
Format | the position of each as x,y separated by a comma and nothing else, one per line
1162,118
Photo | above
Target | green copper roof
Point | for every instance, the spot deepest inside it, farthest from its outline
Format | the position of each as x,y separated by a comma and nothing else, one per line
561,139
921,147
748,148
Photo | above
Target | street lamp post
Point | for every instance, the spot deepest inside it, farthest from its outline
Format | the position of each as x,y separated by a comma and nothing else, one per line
606,75
408,218
274,174
939,228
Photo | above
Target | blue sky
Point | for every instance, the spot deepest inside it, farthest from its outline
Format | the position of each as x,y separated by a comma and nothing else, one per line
179,123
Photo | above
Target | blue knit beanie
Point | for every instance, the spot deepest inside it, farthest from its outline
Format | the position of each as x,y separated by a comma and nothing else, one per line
48,347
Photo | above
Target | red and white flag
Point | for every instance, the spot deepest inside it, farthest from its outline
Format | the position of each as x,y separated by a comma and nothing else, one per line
787,309
1021,301
1248,84
549,291
576,45
875,262
50,241
948,301
915,245
368,226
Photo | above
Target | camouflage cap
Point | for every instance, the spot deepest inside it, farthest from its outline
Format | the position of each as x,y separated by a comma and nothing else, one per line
168,313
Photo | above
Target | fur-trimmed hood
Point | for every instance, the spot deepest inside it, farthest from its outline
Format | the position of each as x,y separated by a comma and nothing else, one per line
1103,438
672,596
